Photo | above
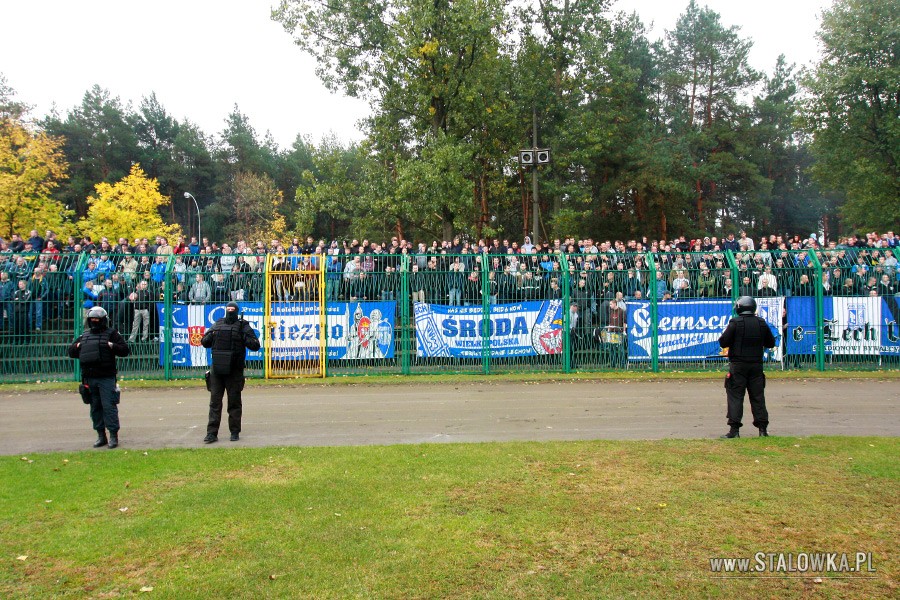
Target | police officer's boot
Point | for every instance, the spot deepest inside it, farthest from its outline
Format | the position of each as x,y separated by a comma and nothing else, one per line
101,439
734,432
113,439
763,432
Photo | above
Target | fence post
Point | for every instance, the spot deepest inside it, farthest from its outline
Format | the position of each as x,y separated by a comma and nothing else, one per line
78,304
266,332
566,282
321,266
735,284
820,311
485,314
654,315
405,325
166,337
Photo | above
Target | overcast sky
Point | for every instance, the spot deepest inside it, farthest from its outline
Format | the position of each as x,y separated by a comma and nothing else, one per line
202,57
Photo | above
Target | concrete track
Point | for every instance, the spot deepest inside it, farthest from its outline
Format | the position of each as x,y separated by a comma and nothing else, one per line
360,414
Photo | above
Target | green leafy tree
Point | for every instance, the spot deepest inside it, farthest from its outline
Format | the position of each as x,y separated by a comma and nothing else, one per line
178,155
793,203
100,145
704,72
195,171
242,150
256,204
854,111
290,166
238,152
560,70
619,161
332,200
424,66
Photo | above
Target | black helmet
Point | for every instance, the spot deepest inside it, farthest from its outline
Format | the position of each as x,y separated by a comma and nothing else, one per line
231,307
745,305
97,317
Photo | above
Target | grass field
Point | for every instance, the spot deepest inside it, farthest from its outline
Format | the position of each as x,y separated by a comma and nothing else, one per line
501,520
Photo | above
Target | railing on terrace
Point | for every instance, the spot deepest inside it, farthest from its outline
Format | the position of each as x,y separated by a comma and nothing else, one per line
409,314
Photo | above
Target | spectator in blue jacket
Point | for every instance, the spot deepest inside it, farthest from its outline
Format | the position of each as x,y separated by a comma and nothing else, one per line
36,241
661,285
158,270
731,244
91,273
105,266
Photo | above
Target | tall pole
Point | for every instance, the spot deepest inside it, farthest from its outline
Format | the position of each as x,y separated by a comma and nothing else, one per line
534,182
191,196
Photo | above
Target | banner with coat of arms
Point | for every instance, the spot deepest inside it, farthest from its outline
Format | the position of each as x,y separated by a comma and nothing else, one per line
519,329
191,321
862,325
354,330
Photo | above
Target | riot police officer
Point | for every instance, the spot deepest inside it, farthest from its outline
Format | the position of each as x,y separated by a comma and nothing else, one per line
746,337
229,338
97,349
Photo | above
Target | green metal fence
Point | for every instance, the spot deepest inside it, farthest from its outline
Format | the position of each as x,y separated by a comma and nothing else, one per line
378,279
467,285
467,313
861,289
199,280
36,316
687,281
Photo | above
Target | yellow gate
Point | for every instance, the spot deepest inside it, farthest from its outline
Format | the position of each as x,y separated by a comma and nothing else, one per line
295,316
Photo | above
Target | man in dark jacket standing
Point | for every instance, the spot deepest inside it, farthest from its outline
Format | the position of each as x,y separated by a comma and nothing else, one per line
229,338
746,337
97,349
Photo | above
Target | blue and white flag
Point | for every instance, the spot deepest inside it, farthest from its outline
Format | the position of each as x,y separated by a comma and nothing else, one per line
354,330
771,310
860,325
519,329
690,329
190,322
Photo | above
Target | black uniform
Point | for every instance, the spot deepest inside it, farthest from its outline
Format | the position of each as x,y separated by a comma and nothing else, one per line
746,337
229,342
98,370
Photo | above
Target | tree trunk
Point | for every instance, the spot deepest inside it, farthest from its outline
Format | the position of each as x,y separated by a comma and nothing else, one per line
699,189
447,223
525,204
485,213
693,91
639,209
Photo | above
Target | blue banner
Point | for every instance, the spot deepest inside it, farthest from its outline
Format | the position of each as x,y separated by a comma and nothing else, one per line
690,329
355,330
190,322
520,329
855,325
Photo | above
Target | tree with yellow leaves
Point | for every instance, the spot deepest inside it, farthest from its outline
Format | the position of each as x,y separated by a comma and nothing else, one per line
31,166
129,208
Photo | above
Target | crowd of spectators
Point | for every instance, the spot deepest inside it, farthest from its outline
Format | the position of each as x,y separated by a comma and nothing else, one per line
38,275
